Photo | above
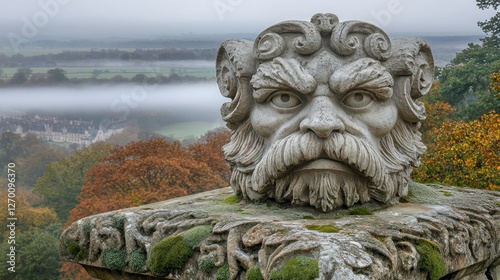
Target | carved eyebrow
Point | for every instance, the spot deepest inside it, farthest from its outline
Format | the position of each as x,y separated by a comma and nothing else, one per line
281,73
365,73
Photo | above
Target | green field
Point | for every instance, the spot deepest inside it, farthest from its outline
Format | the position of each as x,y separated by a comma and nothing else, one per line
109,72
187,130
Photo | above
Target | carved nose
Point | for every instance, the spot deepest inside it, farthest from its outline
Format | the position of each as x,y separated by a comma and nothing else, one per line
322,119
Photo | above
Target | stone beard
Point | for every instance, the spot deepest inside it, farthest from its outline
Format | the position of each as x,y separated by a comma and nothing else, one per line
323,113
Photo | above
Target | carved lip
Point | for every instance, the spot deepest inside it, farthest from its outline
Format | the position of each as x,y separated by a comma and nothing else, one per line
326,165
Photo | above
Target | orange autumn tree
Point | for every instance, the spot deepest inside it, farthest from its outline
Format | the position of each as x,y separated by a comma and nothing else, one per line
209,150
495,83
464,154
144,172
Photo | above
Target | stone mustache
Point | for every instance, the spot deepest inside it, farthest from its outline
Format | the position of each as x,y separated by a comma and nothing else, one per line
323,113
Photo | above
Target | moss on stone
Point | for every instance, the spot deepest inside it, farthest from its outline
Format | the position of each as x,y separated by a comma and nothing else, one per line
77,252
223,273
360,211
423,194
324,228
73,249
87,227
169,255
308,217
299,268
253,273
119,222
206,264
114,259
405,199
137,260
430,259
446,193
232,199
195,235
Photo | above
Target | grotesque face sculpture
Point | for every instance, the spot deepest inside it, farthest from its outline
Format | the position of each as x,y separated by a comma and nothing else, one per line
323,113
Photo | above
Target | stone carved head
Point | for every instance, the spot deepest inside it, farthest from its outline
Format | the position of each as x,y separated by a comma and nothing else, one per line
323,113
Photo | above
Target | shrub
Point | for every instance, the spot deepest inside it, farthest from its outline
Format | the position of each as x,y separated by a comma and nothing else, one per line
137,260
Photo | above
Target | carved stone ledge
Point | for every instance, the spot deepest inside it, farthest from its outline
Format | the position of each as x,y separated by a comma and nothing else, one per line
443,232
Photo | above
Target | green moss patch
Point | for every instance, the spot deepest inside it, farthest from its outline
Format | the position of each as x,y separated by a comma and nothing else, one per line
405,199
360,211
114,259
299,268
195,235
430,259
119,222
223,273
169,255
137,260
206,264
254,274
233,199
309,217
77,252
324,228
423,194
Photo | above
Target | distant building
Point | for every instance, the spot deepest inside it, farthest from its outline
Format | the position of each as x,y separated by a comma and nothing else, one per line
78,132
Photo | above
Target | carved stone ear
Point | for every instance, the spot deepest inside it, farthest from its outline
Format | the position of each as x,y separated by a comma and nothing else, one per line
235,66
412,66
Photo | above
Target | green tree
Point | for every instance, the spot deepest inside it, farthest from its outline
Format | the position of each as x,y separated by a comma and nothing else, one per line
56,75
492,26
62,180
19,77
9,148
37,255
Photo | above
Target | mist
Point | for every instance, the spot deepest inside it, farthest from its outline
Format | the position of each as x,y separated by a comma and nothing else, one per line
196,98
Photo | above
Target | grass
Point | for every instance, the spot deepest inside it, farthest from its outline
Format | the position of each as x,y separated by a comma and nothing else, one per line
233,199
186,130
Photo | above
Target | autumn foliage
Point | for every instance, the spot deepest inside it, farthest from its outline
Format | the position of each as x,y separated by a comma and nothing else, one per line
150,171
495,83
465,154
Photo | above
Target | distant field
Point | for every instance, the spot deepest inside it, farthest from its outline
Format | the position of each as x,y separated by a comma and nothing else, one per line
109,72
41,51
186,130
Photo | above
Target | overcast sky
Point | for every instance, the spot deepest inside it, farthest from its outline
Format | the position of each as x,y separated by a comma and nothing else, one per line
133,18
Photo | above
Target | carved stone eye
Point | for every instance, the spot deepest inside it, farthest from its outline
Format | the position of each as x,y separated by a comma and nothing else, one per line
358,100
285,100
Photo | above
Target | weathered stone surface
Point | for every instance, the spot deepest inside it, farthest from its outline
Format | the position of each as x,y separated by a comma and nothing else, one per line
443,231
324,113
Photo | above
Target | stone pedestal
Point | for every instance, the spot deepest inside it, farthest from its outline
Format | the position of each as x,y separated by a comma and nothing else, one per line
439,232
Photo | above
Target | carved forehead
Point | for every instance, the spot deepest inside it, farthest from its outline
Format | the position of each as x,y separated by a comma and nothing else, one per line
353,39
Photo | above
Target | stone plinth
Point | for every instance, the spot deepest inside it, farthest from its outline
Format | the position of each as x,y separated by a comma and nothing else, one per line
440,231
